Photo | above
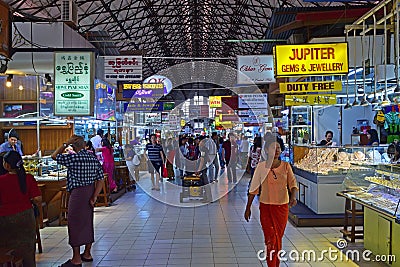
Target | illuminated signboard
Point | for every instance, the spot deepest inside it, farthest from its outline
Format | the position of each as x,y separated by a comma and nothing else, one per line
306,87
311,59
73,83
215,102
310,100
145,90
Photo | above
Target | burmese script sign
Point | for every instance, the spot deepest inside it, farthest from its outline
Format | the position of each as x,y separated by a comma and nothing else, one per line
311,59
310,100
123,68
73,83
305,87
255,69
139,90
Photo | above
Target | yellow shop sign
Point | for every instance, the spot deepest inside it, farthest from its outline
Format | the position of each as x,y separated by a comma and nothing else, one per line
305,87
310,100
311,59
215,102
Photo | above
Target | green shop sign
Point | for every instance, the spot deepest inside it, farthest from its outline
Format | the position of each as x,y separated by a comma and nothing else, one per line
73,83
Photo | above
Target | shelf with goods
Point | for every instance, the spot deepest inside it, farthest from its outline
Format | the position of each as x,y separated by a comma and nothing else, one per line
301,125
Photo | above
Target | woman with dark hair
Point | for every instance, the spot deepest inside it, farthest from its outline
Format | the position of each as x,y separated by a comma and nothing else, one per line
18,191
278,186
108,163
373,139
89,147
393,152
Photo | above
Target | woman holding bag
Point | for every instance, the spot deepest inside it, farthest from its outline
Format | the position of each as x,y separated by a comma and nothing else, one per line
133,163
274,198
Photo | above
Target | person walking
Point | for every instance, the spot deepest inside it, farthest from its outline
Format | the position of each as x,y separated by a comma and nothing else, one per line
230,155
132,162
278,187
84,183
18,190
202,168
155,160
214,157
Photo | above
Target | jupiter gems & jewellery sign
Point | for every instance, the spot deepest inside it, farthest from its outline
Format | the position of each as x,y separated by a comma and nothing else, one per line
73,83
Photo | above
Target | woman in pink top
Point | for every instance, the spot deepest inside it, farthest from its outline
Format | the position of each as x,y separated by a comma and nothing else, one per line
275,199
108,162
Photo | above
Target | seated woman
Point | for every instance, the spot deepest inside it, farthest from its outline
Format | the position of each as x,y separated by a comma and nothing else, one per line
373,139
393,152
18,191
328,139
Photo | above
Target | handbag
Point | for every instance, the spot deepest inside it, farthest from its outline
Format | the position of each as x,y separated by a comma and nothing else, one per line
164,171
136,160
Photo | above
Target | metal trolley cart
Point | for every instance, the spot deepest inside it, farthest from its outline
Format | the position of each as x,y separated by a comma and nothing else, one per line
192,188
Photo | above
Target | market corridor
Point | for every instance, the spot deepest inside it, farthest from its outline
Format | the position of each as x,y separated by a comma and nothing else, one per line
140,231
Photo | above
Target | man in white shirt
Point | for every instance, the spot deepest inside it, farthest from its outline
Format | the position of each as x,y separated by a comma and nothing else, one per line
96,141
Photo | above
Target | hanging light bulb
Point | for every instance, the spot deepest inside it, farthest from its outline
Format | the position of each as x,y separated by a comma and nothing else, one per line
355,103
20,87
364,101
347,106
9,80
386,102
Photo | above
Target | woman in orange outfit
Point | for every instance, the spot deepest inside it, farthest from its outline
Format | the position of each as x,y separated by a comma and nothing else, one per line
275,199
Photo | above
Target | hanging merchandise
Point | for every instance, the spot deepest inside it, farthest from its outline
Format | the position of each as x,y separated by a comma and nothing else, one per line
379,118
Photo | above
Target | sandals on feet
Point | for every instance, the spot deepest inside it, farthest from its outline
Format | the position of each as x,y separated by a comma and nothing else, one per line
69,263
86,259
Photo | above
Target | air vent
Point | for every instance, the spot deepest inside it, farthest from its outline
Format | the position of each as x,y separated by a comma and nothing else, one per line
69,12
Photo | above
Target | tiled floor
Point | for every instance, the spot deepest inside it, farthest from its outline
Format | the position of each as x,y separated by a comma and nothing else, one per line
138,230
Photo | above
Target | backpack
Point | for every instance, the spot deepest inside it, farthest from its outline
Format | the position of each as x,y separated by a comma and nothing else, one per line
379,118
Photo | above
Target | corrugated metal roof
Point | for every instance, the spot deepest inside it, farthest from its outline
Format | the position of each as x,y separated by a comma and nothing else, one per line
282,16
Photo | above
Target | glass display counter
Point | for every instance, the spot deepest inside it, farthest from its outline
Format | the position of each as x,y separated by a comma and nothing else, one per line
378,191
320,172
51,177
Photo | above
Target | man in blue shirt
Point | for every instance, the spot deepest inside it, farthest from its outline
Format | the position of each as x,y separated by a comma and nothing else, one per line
12,143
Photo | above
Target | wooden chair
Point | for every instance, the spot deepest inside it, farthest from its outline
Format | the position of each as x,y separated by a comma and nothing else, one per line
38,238
63,217
103,199
42,206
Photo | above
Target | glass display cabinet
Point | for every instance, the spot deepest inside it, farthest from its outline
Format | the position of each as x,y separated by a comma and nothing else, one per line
301,125
378,191
320,172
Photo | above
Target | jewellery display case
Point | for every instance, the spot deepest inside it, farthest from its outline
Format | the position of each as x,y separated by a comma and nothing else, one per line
378,191
320,172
